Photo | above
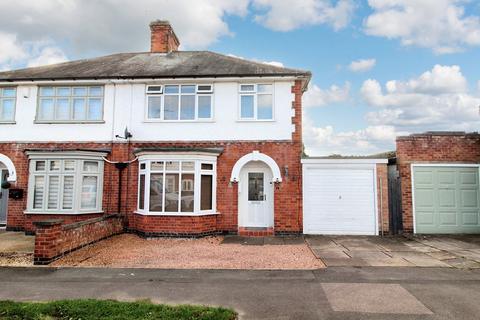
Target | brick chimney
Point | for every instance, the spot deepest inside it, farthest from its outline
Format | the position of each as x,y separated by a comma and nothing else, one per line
163,39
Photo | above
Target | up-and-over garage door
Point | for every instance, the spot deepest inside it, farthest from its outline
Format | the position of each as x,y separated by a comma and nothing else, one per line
339,198
446,199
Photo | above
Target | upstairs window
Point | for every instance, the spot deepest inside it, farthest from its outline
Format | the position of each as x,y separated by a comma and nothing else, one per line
8,96
70,104
179,102
256,102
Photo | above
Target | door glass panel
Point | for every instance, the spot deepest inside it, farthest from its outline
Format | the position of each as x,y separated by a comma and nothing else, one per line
255,186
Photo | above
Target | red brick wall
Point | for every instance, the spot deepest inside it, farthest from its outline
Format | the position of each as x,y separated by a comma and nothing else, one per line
162,38
431,148
382,198
287,195
52,240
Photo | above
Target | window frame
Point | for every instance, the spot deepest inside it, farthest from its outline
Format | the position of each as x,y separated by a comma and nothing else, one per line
71,99
2,98
146,160
78,173
255,95
198,93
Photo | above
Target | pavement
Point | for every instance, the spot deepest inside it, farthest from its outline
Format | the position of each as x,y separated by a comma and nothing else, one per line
333,293
459,251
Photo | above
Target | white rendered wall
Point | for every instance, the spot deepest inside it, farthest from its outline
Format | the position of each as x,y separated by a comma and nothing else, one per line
129,100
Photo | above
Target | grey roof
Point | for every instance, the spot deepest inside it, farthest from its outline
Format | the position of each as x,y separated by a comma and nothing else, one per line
177,64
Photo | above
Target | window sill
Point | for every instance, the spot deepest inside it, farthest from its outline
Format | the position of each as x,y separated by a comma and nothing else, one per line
63,213
253,120
174,214
69,122
8,122
179,121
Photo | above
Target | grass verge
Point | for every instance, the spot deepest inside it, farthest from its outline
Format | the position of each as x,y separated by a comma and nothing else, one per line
90,309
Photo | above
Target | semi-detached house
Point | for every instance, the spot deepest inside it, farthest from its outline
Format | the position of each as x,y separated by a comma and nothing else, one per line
180,142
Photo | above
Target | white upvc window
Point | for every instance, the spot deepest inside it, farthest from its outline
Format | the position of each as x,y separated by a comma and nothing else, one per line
177,185
70,104
175,102
8,97
65,185
256,102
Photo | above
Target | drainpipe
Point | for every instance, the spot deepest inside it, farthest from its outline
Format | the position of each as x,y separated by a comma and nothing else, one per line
120,166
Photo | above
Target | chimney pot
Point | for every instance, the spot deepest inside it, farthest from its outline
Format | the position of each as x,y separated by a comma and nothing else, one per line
162,38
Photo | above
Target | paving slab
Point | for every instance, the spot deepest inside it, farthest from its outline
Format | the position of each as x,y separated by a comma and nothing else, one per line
462,263
332,253
233,240
320,242
373,298
275,241
469,254
342,262
367,254
441,255
293,240
388,262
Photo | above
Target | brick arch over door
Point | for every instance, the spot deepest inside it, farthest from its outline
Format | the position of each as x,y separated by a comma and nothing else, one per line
12,173
256,156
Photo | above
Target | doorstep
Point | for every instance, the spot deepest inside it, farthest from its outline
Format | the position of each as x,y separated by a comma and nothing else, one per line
255,232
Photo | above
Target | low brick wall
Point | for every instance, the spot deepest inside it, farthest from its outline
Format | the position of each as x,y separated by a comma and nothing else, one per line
54,239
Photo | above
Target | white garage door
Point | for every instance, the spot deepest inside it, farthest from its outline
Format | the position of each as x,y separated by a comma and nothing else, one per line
339,200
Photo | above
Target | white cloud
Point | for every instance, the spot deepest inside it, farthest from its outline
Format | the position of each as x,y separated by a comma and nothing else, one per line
318,97
362,65
272,63
90,27
322,141
14,53
287,15
436,100
438,24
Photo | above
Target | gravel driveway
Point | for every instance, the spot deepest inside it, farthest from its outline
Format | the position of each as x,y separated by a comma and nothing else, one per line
128,250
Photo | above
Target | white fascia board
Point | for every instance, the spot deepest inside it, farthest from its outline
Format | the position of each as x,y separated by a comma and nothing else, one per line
344,161
150,80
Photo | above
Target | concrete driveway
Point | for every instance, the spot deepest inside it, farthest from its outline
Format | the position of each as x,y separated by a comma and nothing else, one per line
460,251
16,249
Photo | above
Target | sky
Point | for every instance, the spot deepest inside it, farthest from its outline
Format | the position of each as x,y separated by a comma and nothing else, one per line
381,68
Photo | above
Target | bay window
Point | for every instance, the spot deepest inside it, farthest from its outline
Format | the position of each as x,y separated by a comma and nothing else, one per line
180,102
256,102
70,104
65,184
177,185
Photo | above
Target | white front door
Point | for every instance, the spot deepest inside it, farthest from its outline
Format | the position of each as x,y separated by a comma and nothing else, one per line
3,197
256,196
